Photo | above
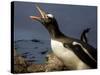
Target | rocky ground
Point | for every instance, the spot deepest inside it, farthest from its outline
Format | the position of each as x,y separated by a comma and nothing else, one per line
23,66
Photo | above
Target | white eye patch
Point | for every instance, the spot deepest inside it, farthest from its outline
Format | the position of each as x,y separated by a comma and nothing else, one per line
50,15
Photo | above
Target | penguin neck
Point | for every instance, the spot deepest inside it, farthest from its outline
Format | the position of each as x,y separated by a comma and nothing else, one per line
54,31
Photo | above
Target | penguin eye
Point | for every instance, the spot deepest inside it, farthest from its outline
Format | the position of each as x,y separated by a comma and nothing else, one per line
50,15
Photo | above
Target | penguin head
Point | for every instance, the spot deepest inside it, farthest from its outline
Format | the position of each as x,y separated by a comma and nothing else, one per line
45,18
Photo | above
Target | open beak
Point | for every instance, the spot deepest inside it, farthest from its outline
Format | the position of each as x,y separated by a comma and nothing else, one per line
42,14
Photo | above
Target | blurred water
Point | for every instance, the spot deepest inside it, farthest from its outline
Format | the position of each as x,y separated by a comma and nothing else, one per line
31,49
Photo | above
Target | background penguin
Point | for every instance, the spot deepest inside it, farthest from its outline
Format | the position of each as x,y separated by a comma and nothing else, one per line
84,36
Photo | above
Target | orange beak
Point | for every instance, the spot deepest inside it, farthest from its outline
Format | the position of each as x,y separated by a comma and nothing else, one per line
42,14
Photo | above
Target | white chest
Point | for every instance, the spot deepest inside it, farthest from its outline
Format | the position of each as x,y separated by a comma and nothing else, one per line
67,56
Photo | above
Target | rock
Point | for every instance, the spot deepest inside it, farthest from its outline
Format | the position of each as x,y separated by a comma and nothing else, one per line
37,68
20,64
19,60
20,69
54,63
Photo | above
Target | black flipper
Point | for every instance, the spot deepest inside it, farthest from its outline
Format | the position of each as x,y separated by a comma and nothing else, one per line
83,35
82,55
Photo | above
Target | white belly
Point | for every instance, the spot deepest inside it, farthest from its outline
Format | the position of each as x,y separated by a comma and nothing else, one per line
67,56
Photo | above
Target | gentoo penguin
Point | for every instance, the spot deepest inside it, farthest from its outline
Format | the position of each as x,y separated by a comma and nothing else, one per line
74,53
